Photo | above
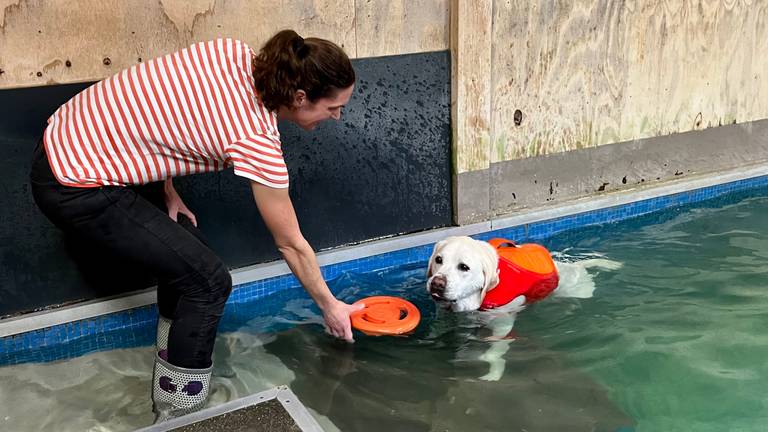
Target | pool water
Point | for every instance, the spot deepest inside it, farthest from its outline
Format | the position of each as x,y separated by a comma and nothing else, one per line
672,340
678,335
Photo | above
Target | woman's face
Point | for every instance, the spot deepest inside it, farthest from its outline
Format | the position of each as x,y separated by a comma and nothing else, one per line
308,114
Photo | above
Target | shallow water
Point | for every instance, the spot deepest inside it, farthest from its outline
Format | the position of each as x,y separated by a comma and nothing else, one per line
672,340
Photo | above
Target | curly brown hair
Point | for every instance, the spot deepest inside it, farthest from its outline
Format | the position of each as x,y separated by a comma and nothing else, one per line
288,63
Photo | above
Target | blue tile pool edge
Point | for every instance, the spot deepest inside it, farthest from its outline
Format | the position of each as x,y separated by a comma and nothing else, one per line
136,326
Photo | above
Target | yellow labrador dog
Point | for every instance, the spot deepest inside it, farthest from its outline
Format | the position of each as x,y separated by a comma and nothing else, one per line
462,270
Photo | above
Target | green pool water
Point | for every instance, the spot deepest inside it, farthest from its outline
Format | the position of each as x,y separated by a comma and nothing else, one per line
678,335
673,340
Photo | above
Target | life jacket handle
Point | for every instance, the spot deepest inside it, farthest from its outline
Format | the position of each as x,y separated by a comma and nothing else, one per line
503,243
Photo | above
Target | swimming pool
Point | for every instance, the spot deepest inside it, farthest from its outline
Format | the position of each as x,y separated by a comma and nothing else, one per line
673,340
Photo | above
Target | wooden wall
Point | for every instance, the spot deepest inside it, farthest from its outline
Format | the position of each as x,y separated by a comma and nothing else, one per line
529,77
66,41
578,73
471,42
587,73
584,73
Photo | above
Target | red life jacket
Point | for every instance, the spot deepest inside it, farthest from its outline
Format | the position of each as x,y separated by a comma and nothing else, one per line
525,269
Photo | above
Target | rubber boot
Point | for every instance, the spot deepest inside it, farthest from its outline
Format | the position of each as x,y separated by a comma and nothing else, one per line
222,369
177,391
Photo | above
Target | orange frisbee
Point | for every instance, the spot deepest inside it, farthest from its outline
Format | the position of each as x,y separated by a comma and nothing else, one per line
384,315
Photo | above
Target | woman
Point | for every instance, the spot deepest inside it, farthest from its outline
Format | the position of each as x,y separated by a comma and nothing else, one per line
103,173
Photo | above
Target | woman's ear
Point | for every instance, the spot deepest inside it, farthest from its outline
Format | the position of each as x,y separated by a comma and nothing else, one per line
299,98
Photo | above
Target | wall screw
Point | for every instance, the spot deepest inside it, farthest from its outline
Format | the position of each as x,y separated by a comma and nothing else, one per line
518,117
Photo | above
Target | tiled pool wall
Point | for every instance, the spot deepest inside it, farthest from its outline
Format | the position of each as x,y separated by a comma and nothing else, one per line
136,327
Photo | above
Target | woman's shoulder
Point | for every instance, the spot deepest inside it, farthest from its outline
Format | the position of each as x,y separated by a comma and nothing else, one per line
235,44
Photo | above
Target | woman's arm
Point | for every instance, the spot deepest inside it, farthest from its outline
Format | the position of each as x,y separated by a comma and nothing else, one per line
277,211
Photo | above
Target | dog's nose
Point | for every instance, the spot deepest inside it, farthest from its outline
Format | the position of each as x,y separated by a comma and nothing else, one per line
437,285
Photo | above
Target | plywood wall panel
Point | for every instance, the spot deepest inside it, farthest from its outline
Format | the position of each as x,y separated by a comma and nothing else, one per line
81,40
588,73
64,41
471,33
388,27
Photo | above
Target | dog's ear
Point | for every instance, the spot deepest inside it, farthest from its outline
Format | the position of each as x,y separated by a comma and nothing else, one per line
435,251
490,263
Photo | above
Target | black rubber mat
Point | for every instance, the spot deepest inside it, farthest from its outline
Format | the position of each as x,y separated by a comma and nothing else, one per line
269,416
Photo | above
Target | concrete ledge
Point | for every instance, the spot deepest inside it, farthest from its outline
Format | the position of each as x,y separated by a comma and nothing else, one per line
533,182
471,197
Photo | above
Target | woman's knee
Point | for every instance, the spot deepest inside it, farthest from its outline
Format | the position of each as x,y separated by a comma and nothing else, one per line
220,283
206,286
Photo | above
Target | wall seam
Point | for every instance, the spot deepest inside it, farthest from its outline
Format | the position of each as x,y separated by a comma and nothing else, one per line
354,24
492,122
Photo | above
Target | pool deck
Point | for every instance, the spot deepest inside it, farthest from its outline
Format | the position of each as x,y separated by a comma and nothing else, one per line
275,410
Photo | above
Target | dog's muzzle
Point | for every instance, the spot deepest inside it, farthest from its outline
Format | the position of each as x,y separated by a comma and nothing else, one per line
437,287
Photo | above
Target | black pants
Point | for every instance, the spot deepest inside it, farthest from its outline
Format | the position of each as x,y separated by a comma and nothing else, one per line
132,222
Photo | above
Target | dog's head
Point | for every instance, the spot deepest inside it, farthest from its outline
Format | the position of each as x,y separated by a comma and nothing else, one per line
460,272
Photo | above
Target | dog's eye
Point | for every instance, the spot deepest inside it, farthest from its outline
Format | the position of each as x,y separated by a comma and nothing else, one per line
438,259
463,267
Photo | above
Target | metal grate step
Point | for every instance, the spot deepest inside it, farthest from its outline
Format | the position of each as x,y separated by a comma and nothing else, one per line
275,410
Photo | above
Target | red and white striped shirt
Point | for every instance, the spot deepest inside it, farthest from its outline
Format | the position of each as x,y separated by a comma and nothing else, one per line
189,112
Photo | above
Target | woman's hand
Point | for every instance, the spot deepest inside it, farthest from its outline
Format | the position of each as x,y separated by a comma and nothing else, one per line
175,205
337,322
